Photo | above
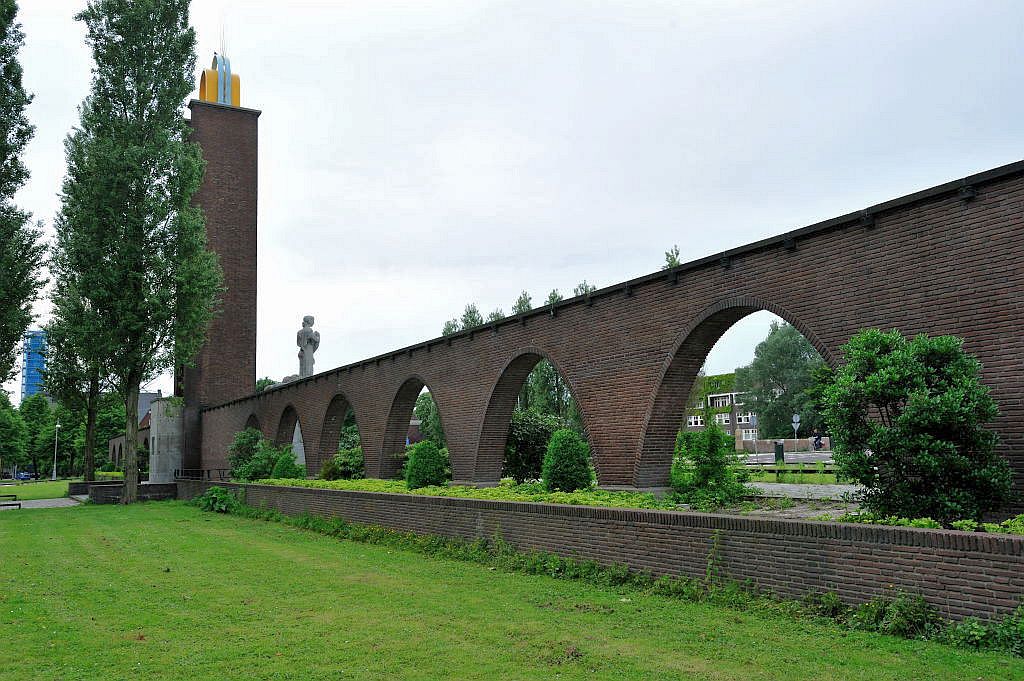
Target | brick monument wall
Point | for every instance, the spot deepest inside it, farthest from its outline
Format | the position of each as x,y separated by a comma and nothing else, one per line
948,260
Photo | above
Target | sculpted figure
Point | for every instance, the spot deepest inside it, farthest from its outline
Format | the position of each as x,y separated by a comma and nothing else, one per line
308,341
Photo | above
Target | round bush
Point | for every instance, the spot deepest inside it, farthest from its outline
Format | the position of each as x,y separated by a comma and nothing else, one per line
426,466
286,466
567,463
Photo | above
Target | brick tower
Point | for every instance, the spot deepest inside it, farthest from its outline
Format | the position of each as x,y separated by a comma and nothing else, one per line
225,367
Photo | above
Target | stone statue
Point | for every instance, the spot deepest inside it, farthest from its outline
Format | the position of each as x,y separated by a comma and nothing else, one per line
308,341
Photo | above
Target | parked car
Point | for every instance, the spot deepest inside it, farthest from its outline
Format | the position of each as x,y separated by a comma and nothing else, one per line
23,475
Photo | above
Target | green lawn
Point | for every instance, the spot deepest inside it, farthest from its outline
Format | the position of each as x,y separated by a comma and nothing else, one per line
795,478
162,590
37,490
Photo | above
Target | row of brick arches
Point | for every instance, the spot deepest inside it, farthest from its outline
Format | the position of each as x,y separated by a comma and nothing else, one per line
949,260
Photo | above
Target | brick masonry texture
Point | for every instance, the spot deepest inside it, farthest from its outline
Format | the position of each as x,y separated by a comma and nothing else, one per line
106,493
226,366
962,574
949,260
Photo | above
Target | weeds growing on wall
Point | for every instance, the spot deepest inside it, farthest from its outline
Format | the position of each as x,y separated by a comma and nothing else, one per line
899,614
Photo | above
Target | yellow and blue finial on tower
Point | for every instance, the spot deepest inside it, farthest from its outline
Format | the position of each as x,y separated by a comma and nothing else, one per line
218,84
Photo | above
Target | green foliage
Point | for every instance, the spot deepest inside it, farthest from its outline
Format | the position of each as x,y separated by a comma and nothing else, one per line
243,448
264,383
286,466
906,419
671,258
21,250
705,471
218,500
347,464
904,615
546,392
128,224
349,437
430,419
258,458
528,435
1010,526
523,304
495,315
780,382
566,465
427,465
471,317
554,297
583,288
451,327
109,475
965,525
13,435
38,417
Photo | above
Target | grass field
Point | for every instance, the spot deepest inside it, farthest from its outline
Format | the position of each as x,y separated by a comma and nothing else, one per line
37,490
795,478
162,590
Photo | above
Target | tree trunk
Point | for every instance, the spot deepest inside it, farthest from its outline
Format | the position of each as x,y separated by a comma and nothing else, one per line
91,405
131,443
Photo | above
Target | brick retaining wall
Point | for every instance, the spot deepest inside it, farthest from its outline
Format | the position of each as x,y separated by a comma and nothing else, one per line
110,493
960,573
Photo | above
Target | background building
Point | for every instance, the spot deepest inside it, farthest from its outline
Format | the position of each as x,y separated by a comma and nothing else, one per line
33,362
715,396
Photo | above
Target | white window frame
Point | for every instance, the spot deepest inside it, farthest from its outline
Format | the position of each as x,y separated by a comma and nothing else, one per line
749,434
743,417
723,419
694,421
720,400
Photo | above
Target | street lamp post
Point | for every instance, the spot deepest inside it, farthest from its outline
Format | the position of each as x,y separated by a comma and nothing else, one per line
56,429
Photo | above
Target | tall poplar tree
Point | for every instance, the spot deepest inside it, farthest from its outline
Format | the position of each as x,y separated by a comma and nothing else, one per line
154,284
21,252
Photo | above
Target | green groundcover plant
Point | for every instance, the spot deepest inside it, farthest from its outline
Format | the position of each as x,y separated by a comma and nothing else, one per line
509,490
898,614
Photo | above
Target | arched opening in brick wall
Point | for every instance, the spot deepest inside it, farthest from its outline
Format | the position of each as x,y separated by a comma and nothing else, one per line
414,416
674,397
340,432
253,422
532,385
289,432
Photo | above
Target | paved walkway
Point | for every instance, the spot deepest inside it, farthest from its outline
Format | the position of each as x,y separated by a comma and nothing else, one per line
44,503
782,489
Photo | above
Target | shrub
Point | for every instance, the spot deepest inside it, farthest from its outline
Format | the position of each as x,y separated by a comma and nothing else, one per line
219,500
528,437
905,615
347,464
243,449
566,464
285,465
109,475
108,467
906,422
426,465
705,472
349,438
266,461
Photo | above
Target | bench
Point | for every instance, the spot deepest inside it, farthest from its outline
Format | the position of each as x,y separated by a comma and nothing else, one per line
9,497
10,504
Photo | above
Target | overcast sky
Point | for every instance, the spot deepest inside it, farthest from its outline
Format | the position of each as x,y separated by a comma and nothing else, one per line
415,156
